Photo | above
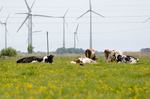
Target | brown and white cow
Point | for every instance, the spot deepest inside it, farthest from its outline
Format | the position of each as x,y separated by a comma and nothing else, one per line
111,55
90,53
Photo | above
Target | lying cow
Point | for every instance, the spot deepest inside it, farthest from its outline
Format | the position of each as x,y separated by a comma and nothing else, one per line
90,53
83,60
110,55
127,59
33,59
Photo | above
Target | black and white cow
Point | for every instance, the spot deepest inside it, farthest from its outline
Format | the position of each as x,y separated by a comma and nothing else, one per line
33,59
90,53
127,59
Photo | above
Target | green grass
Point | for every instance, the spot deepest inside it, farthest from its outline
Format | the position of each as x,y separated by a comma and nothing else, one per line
64,80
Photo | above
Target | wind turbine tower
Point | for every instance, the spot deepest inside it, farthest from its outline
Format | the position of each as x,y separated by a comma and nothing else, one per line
91,11
64,22
6,30
76,36
64,27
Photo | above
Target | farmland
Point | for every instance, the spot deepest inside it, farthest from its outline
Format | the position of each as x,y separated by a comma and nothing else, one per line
62,80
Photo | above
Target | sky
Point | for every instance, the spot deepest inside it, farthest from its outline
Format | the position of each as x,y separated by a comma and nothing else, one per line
122,28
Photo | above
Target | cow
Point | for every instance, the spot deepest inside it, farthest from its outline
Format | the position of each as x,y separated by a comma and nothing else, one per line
127,59
90,53
83,60
110,55
33,59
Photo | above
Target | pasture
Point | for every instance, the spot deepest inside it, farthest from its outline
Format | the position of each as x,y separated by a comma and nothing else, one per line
62,80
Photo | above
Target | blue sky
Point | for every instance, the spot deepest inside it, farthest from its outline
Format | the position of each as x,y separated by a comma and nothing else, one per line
122,28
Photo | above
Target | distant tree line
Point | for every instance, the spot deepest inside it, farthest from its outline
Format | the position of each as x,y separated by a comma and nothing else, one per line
145,50
69,50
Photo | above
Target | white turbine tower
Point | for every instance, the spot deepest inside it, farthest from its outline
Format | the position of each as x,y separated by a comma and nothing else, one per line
76,36
29,18
90,11
6,30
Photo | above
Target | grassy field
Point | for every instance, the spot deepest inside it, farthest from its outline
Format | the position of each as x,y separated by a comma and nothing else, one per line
62,80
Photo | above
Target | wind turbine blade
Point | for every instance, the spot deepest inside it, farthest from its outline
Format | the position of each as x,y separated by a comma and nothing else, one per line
22,13
77,28
27,6
45,16
6,19
98,14
66,12
83,14
33,4
23,23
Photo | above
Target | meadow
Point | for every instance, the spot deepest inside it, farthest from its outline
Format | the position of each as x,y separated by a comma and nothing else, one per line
62,80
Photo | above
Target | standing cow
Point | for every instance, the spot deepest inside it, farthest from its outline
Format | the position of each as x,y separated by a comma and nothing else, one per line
90,53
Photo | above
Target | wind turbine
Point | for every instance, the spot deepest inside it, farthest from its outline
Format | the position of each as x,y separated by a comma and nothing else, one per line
90,11
6,30
64,22
76,36
29,18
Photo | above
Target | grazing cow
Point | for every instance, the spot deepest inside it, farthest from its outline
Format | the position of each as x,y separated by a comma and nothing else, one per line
90,53
110,55
33,59
127,59
83,60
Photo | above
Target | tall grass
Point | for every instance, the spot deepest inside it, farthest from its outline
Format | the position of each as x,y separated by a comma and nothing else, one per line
62,80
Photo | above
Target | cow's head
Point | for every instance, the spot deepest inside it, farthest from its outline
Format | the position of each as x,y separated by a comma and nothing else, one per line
49,59
107,52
